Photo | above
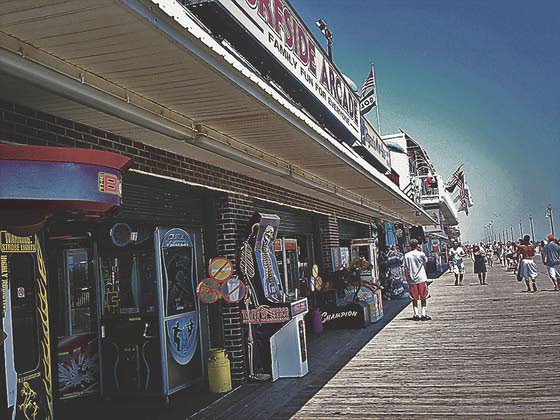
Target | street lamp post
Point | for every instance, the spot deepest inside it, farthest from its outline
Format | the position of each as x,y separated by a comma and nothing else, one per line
550,218
322,25
532,228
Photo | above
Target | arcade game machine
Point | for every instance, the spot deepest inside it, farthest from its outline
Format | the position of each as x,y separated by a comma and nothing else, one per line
59,184
151,341
274,320
286,252
370,291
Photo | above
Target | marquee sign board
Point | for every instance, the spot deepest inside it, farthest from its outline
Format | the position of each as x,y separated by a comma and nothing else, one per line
277,27
372,145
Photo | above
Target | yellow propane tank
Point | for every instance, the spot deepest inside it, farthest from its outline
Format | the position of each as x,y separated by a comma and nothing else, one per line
219,374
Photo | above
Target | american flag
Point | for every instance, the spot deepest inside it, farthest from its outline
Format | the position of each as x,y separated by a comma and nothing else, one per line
455,178
369,83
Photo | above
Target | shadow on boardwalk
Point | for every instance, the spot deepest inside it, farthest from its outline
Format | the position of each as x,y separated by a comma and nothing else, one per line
328,354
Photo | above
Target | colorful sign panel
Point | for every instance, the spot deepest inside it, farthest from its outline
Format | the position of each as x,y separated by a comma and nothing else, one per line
299,307
266,315
353,315
78,366
371,143
209,290
182,337
233,290
28,393
61,185
279,29
220,268
12,243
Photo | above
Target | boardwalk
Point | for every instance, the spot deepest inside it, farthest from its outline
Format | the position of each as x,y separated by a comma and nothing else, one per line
490,351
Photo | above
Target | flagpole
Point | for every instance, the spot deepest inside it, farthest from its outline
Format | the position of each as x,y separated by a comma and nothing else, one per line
551,220
376,100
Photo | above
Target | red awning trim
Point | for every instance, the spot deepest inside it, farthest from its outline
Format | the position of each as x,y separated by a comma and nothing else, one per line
64,154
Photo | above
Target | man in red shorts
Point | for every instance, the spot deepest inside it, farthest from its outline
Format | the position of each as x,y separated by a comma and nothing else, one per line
415,272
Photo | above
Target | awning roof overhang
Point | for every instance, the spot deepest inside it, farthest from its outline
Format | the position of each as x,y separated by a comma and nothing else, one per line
449,211
149,72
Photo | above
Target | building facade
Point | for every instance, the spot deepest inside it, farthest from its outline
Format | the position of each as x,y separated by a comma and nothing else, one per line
211,139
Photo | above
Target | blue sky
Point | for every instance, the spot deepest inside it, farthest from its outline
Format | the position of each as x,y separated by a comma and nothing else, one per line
475,82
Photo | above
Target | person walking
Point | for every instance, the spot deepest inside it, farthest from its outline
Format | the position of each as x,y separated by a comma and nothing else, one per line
479,259
456,254
415,272
550,254
490,255
527,269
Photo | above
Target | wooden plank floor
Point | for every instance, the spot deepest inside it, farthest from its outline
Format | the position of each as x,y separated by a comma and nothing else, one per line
327,353
489,352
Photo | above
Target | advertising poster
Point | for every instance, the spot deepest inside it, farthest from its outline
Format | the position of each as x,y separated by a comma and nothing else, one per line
78,373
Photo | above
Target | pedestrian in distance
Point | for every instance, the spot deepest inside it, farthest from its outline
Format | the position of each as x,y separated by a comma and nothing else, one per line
490,255
479,259
456,255
415,272
500,253
527,269
550,254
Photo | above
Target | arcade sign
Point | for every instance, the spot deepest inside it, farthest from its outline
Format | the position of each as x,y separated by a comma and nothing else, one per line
277,27
265,314
354,315
373,146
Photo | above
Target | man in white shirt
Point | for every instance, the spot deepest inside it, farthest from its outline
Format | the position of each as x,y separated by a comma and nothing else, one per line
415,273
456,255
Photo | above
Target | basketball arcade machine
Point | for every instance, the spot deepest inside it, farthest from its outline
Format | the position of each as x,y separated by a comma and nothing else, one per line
274,320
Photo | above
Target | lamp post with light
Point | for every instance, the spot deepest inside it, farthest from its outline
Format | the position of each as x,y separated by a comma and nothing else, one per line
322,25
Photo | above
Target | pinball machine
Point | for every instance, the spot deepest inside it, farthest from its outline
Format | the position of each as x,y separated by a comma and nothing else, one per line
274,319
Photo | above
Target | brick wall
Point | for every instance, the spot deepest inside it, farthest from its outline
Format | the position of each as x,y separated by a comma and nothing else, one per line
19,124
23,125
233,211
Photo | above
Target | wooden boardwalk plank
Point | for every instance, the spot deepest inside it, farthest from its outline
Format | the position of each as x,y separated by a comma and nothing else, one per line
490,352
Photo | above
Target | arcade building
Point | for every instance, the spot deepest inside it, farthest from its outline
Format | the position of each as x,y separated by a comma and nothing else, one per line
141,139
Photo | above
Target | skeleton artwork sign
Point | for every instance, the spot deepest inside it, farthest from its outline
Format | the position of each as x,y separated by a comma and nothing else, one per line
264,228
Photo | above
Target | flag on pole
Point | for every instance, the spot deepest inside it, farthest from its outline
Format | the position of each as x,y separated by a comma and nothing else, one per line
369,83
464,207
368,94
454,180
548,212
468,195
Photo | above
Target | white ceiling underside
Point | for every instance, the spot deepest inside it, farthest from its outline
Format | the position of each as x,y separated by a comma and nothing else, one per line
189,80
